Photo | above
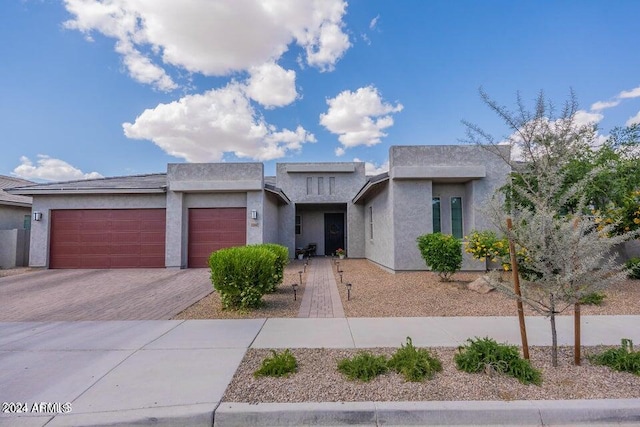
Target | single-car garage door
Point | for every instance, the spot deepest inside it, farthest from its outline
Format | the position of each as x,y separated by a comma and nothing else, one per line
107,238
211,229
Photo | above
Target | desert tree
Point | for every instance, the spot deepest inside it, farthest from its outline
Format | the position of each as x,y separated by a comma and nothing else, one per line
564,254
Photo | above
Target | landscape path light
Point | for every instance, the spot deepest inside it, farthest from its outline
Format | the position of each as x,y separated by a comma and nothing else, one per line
340,276
295,291
348,291
300,273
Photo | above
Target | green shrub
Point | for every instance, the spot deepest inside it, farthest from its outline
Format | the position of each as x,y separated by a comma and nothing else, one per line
278,365
621,359
594,298
442,253
364,366
414,364
633,267
282,259
242,275
484,354
485,245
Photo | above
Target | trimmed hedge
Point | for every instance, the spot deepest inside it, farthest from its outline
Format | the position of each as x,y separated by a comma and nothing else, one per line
242,275
282,259
442,253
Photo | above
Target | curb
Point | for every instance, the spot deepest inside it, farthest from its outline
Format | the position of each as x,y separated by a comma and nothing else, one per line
520,413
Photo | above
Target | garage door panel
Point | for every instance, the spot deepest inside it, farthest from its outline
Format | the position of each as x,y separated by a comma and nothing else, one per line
107,238
213,229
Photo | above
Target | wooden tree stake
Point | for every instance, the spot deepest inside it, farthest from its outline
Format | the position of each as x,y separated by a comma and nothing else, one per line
516,288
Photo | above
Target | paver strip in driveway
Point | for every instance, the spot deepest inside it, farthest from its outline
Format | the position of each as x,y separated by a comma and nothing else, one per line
122,294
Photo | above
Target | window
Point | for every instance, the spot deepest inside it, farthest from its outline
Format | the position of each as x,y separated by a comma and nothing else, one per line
456,217
435,209
309,185
298,224
332,184
26,224
371,222
320,185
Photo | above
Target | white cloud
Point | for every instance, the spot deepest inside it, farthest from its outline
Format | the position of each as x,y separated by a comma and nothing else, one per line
50,169
601,105
371,168
359,117
271,85
583,118
339,151
374,22
633,93
201,128
212,37
634,120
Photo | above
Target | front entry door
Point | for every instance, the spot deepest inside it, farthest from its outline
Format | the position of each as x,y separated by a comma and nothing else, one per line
333,232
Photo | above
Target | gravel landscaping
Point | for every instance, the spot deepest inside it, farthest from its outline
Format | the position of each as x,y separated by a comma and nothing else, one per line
379,293
318,367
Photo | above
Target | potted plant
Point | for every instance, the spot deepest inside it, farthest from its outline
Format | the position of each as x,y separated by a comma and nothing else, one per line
340,252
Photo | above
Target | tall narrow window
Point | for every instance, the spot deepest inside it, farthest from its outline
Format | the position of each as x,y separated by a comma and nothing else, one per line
298,224
332,184
309,185
371,222
435,209
320,185
456,217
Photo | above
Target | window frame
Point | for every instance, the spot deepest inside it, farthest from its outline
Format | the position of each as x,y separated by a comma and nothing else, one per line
461,220
433,216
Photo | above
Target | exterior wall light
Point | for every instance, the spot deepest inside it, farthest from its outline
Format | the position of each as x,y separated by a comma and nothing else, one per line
254,214
37,216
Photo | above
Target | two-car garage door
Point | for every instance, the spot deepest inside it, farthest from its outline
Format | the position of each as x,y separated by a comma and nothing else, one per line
122,238
107,238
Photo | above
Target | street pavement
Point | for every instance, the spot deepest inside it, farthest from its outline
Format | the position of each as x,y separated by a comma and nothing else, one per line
175,372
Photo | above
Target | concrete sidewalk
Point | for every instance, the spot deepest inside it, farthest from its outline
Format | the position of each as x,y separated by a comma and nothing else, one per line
176,372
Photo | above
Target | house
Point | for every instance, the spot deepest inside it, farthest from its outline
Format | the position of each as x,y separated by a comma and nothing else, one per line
176,219
15,221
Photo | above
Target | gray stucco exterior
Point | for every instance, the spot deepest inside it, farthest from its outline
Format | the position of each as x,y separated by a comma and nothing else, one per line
380,216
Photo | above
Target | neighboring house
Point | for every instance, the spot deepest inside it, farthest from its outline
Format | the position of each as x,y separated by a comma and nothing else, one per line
177,219
15,221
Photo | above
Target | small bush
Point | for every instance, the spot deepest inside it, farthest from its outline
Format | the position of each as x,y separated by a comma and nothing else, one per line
242,275
633,267
485,354
485,245
594,298
364,366
282,259
621,359
278,365
414,364
442,253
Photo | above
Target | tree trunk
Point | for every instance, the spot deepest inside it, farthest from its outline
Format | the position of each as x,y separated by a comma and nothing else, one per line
554,333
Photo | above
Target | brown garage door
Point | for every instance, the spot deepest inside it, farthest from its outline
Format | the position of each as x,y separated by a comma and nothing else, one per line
213,229
107,238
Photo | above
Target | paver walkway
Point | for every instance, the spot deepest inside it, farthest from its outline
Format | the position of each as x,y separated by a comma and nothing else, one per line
321,297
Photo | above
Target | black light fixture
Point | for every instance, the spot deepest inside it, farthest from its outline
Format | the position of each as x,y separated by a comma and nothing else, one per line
337,265
295,291
340,276
37,216
300,273
348,291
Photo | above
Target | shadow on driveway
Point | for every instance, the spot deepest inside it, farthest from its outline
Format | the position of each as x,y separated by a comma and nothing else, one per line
122,294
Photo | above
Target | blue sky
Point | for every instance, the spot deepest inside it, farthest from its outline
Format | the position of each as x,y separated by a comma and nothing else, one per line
108,88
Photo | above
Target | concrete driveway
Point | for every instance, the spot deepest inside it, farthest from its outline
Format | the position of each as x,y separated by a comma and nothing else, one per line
123,294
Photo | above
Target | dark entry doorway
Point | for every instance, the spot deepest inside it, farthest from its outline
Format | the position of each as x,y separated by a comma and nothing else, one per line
333,232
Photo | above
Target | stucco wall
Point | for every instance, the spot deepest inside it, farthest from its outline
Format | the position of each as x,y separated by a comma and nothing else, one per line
380,249
269,219
412,218
14,248
12,217
40,230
